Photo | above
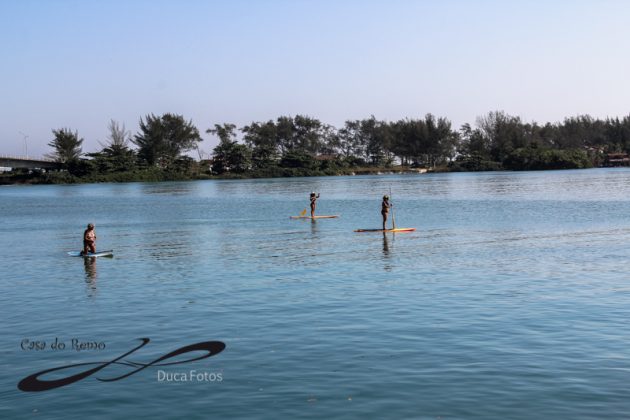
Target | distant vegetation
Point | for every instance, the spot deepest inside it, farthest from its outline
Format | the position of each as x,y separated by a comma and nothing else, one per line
305,146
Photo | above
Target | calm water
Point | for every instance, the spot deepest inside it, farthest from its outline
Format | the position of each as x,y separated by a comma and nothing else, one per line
512,300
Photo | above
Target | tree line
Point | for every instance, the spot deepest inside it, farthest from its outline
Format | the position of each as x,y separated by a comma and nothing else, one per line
302,145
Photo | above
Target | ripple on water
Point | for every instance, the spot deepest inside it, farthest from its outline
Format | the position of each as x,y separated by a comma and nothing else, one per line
509,301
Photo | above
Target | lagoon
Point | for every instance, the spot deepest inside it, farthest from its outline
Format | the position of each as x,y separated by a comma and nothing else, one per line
511,300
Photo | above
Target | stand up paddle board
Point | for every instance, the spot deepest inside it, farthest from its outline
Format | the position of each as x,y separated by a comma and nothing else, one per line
315,217
109,253
387,230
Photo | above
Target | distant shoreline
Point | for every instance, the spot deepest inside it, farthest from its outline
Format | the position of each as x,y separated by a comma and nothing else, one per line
62,177
9,178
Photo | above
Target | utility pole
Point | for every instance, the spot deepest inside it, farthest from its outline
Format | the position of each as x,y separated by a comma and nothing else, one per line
25,144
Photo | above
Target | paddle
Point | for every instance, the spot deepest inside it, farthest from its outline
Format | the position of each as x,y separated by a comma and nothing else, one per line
393,216
303,212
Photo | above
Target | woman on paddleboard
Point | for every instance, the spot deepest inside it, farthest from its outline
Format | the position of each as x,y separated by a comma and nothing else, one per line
385,206
313,203
89,240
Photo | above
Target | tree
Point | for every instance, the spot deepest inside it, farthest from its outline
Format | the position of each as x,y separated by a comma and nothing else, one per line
118,137
442,141
351,140
285,134
261,138
225,132
298,160
371,137
330,140
229,156
116,156
411,141
503,132
67,146
534,157
581,131
307,135
473,142
163,139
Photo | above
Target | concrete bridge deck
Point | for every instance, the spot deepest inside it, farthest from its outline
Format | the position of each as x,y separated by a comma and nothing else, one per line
25,162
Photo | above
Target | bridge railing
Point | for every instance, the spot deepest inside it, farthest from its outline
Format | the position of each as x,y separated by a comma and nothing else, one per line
40,159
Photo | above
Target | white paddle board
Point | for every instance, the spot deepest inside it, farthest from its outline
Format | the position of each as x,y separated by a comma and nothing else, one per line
109,253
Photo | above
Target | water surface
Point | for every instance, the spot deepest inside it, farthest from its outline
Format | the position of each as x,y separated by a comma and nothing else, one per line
511,300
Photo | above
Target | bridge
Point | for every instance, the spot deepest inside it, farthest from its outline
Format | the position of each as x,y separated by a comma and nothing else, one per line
22,162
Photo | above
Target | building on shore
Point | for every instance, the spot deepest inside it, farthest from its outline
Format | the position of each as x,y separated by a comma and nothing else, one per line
617,159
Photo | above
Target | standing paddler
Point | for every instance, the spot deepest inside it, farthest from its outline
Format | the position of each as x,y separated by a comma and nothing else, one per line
314,198
385,206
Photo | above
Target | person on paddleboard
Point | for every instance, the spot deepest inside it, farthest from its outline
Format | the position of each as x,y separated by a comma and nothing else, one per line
89,240
314,198
385,206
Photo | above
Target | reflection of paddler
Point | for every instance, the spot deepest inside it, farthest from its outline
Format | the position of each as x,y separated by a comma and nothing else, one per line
90,268
385,206
314,198
385,245
313,226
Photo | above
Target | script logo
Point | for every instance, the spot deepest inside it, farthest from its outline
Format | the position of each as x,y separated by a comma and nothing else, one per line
32,383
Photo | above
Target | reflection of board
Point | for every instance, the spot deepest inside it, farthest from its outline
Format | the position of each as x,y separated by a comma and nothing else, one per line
109,253
316,217
387,230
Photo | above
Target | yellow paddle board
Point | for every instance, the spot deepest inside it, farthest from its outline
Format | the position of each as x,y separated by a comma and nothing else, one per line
387,230
316,217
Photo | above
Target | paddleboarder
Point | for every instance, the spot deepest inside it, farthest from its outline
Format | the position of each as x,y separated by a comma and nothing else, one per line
385,206
314,198
89,240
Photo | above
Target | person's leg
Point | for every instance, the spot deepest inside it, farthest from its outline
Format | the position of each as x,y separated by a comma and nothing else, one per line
312,210
384,220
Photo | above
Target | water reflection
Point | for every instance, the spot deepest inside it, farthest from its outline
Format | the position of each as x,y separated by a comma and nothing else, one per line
387,252
175,188
427,185
272,187
170,244
385,245
89,264
313,226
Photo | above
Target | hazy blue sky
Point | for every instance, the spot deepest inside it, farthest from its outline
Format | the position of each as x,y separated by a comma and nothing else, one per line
78,64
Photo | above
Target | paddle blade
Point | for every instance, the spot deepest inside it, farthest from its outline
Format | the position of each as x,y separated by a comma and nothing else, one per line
303,212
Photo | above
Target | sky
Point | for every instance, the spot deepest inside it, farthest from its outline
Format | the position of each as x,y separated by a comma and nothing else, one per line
78,64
